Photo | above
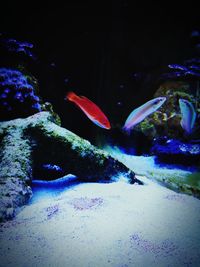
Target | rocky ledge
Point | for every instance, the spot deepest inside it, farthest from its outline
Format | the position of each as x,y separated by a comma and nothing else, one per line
26,144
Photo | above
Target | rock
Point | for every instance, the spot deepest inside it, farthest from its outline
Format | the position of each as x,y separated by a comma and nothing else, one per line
36,140
47,106
178,180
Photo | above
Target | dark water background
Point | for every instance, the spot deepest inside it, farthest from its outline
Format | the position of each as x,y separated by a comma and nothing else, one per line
94,48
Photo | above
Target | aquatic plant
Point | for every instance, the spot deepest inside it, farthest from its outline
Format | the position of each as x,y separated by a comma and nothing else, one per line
18,83
18,96
18,47
148,129
189,70
194,179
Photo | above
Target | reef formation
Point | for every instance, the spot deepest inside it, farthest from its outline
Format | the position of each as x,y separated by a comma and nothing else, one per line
166,121
18,97
26,144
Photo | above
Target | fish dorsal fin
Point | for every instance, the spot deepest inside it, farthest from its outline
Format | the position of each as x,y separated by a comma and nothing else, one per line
85,98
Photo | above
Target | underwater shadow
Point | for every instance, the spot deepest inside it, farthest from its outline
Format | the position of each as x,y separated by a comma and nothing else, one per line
188,166
46,189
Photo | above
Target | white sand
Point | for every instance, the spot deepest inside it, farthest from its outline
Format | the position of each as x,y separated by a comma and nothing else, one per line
100,225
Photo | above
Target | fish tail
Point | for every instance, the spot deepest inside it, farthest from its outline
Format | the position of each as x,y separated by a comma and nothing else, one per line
126,130
71,96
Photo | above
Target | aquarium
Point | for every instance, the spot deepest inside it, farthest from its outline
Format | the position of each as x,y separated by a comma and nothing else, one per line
99,135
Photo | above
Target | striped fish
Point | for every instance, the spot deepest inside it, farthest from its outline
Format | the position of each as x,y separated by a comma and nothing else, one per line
140,113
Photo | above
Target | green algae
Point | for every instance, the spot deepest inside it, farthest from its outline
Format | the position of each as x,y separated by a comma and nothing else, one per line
178,180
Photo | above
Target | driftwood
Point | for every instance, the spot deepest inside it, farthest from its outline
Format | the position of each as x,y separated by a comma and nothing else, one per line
27,143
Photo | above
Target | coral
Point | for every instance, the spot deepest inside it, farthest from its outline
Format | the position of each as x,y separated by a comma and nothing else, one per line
36,140
166,121
19,47
19,90
189,69
17,95
172,150
148,129
15,53
46,106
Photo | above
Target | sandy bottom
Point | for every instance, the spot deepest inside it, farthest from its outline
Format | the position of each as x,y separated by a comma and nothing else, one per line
99,225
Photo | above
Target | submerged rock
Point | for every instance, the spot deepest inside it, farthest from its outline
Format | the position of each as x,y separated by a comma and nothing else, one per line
181,181
176,151
29,143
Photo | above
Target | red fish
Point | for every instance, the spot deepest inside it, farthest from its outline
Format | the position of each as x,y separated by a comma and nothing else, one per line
91,110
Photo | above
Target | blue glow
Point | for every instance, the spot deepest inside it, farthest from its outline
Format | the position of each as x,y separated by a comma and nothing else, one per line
47,189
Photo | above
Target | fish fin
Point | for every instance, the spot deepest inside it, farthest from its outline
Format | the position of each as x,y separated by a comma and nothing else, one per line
182,124
85,98
126,130
185,128
98,123
71,96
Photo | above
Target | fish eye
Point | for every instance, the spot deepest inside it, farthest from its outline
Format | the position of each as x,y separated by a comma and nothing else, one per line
156,102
